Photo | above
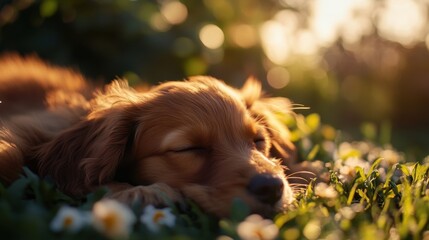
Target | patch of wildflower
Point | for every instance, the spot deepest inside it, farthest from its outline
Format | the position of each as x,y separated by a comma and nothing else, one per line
69,219
349,156
324,190
155,218
113,218
255,227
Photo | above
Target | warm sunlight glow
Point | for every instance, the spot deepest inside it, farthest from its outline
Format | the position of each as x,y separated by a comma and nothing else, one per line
349,19
275,42
282,37
243,35
286,34
174,12
278,77
403,21
305,43
327,15
212,36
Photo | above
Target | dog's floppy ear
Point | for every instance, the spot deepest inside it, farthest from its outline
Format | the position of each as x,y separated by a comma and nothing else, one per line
251,91
265,110
89,153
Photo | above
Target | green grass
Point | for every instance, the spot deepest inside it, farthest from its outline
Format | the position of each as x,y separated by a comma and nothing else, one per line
373,193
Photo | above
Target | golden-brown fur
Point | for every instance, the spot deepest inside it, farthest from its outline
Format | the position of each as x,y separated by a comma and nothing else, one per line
198,139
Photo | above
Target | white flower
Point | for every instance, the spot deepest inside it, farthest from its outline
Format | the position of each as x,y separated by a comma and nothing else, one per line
394,234
69,219
390,157
329,147
113,218
255,227
324,190
155,218
346,150
347,167
345,213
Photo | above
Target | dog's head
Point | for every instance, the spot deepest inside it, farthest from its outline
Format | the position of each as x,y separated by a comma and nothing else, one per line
211,142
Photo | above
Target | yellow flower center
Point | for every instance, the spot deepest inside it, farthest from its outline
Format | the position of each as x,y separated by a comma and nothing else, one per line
68,221
158,216
258,234
110,221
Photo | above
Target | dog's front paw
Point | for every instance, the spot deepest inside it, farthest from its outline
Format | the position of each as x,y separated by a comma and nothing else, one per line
155,194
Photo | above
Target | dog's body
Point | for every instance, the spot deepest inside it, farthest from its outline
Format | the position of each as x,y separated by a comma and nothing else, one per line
199,138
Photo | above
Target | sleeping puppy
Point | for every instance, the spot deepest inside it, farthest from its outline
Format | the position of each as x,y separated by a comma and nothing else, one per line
198,139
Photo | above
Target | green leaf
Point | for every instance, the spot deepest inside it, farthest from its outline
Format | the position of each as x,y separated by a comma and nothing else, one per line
227,226
361,176
30,175
17,189
312,154
375,165
48,8
352,194
239,210
404,169
419,171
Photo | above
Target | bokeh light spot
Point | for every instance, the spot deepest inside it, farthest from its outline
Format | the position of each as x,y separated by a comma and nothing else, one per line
212,36
331,19
305,43
278,77
275,43
174,12
243,35
408,28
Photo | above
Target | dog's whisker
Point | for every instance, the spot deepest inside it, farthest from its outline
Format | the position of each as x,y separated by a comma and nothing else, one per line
297,190
297,106
302,172
284,167
298,178
298,185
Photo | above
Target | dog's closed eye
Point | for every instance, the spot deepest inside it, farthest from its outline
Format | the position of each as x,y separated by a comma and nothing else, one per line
190,149
259,144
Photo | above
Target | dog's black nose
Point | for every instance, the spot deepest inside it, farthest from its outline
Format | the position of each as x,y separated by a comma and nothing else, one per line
266,188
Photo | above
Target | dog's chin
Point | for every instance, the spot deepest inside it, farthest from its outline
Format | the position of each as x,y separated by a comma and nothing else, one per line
268,210
265,210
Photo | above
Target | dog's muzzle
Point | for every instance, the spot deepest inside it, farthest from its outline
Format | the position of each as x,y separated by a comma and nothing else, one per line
266,188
